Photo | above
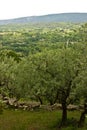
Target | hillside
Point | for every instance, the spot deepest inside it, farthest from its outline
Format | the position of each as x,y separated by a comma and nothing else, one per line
63,17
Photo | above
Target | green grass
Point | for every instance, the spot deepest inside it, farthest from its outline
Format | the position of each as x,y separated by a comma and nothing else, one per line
39,120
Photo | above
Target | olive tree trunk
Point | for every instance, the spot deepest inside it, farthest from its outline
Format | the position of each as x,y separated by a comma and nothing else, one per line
82,117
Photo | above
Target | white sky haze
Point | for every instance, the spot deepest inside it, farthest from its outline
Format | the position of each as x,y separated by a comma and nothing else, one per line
21,8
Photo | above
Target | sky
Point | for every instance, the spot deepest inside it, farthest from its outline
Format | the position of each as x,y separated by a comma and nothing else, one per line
22,8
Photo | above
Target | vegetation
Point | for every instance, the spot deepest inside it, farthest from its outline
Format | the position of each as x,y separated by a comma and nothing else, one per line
46,64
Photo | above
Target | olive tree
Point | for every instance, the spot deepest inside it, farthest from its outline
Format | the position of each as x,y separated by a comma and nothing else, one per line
50,75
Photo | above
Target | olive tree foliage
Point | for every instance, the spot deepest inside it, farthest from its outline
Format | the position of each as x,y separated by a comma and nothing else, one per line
7,75
28,80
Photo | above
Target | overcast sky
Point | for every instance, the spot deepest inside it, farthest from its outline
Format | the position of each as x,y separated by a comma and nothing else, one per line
21,8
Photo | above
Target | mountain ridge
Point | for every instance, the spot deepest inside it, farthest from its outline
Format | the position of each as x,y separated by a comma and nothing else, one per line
61,17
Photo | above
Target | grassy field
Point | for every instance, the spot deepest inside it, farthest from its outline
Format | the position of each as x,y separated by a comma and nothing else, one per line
35,120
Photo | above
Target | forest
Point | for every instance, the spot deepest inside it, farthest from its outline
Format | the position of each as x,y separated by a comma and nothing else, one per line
43,69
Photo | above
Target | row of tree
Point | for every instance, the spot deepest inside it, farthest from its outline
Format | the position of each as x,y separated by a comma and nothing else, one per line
50,76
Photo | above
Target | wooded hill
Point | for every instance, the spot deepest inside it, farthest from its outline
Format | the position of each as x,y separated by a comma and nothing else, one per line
62,17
